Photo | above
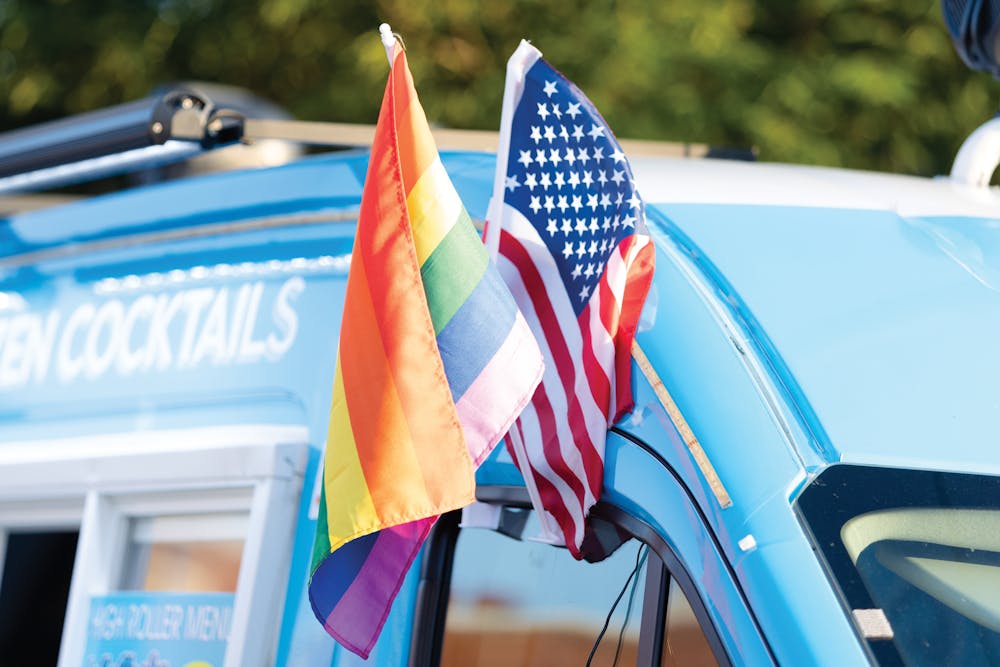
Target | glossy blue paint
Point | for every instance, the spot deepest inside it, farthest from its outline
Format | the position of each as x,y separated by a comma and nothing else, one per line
189,250
759,472
844,326
638,483
282,385
762,358
885,323
791,337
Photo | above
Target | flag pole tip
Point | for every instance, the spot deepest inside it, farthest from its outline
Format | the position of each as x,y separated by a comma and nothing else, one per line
387,37
388,40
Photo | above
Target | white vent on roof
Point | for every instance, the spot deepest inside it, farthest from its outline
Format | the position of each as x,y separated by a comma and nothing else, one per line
979,156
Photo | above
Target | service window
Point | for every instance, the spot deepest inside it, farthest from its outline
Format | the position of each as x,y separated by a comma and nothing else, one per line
185,552
173,579
158,548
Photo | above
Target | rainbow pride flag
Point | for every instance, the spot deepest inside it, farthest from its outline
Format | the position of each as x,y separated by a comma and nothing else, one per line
434,364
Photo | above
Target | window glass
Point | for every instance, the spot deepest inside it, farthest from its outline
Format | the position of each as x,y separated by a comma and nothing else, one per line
184,553
916,554
525,602
685,644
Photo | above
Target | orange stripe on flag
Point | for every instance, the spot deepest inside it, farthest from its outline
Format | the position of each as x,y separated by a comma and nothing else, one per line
422,411
417,149
378,420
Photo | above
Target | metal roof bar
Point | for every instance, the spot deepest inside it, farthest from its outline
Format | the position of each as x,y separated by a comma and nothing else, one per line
346,135
148,132
179,114
95,168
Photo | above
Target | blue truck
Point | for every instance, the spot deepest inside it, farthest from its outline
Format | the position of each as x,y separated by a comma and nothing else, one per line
810,474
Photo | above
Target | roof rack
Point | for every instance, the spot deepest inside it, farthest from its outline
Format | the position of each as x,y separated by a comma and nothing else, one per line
183,122
169,127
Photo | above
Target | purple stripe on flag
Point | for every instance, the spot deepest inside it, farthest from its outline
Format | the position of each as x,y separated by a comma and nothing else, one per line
483,420
358,617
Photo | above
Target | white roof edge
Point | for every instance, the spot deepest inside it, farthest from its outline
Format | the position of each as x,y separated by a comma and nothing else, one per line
728,182
152,441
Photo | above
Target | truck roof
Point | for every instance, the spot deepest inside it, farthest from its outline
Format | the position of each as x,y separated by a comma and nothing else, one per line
873,297
800,317
870,298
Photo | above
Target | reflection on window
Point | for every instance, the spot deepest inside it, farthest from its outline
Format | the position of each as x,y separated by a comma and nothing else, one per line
529,603
196,553
684,641
935,573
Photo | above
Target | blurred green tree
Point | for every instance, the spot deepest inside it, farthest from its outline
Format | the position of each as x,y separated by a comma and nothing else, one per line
860,83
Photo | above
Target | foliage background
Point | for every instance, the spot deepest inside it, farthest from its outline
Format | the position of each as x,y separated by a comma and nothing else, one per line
860,83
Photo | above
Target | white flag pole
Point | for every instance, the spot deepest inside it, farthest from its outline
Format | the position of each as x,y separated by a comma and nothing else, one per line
388,40
519,63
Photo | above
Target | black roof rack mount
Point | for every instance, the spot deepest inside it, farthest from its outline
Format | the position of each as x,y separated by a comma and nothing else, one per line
156,130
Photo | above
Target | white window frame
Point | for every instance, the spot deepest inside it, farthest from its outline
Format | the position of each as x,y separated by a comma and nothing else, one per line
98,483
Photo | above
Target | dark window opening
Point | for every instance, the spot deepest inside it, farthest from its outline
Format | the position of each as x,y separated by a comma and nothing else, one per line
37,569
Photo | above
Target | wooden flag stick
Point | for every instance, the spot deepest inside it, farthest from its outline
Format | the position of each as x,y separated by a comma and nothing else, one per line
667,401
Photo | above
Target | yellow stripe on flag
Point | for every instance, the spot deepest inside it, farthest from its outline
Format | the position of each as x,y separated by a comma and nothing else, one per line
351,511
434,208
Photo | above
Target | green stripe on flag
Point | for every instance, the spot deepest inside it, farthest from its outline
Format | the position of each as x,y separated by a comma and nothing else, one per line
453,270
321,546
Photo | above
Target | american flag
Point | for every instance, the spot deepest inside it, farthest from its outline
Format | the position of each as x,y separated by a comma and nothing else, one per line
568,229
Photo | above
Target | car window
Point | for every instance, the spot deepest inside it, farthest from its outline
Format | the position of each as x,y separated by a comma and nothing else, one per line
526,602
916,555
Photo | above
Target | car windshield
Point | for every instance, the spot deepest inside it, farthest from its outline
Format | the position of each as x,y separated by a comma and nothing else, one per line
916,557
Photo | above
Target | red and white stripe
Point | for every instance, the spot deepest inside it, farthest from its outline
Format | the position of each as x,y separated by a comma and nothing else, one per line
558,441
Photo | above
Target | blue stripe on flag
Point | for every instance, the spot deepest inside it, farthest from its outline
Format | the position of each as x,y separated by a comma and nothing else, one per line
334,581
464,362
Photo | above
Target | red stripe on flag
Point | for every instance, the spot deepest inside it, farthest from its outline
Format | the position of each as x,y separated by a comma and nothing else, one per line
597,378
415,144
550,496
599,383
540,401
611,321
401,319
550,443
555,339
640,276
